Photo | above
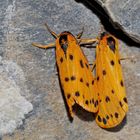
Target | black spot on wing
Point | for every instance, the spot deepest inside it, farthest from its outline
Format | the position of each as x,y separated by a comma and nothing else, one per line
61,59
111,43
107,99
116,115
77,93
107,117
104,121
121,83
81,80
98,78
112,62
86,102
66,79
125,99
92,82
73,78
68,95
71,57
111,115
99,118
81,64
120,103
112,91
87,84
104,72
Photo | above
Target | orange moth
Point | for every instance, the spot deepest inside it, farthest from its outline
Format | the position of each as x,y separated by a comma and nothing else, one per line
75,75
110,84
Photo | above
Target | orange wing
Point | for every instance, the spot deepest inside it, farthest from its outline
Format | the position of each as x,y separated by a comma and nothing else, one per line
75,74
110,84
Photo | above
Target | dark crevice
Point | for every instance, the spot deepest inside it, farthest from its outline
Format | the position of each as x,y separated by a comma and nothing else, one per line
110,26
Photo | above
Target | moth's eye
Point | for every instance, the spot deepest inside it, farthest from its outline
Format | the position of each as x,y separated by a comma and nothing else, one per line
111,43
63,42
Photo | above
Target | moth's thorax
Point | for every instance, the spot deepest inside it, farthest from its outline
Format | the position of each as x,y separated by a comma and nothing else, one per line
107,43
65,40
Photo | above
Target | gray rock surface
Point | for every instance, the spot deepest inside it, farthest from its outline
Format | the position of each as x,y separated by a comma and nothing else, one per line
22,22
125,14
13,106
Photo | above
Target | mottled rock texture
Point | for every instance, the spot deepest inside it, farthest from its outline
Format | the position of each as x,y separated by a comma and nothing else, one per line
124,14
13,106
22,22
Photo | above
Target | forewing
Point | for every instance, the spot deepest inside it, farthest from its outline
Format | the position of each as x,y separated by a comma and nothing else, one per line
76,78
110,84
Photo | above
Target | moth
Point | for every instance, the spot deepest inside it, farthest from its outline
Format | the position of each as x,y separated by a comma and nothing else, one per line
111,92
75,74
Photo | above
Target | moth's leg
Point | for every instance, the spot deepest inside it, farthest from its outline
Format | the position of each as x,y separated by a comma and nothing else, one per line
80,34
131,58
52,33
124,58
87,41
51,45
93,65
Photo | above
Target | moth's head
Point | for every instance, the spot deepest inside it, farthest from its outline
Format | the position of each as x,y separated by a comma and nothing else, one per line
64,39
109,41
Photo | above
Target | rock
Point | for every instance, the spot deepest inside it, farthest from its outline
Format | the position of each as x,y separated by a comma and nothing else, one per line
23,23
124,14
13,106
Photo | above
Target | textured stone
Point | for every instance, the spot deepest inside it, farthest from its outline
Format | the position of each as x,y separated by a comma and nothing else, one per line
23,23
124,14
13,106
